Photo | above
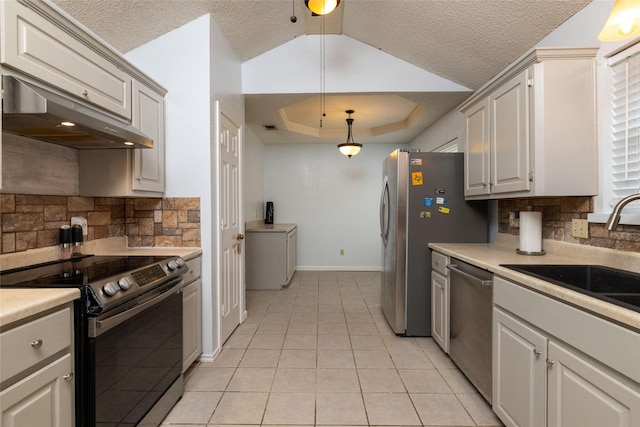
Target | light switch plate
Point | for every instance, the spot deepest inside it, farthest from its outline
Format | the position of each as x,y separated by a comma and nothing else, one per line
580,228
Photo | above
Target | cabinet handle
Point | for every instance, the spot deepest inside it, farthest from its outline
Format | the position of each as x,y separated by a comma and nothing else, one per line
550,362
68,377
537,352
37,343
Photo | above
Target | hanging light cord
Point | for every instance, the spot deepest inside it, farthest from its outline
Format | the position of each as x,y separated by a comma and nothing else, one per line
322,74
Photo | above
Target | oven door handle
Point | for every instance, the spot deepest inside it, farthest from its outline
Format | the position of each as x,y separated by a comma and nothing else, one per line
454,268
98,326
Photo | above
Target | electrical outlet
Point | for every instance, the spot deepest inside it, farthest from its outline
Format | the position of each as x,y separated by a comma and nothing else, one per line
513,221
341,251
580,228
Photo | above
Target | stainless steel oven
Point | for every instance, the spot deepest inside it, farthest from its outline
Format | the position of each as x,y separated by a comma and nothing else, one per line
136,355
128,334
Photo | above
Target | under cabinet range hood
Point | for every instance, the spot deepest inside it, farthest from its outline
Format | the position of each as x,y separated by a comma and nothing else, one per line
34,112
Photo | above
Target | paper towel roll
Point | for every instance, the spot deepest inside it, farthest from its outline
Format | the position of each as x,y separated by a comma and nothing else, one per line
531,232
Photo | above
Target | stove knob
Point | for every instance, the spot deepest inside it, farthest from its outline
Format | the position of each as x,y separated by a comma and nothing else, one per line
180,262
172,265
125,283
110,289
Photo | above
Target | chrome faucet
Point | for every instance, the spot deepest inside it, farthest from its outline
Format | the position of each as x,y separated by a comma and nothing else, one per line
614,218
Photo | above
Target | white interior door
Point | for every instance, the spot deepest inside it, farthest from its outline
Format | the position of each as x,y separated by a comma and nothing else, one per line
231,228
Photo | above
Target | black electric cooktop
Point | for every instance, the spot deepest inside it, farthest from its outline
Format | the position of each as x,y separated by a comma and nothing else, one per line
75,272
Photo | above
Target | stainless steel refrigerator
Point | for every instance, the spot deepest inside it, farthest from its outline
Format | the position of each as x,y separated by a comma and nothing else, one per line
422,202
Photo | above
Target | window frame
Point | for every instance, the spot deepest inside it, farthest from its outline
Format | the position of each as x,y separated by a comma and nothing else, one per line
602,206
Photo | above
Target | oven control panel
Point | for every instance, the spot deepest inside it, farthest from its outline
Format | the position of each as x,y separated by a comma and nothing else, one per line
148,275
122,288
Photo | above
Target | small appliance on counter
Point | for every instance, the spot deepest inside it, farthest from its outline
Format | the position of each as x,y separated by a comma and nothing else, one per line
76,239
268,217
65,242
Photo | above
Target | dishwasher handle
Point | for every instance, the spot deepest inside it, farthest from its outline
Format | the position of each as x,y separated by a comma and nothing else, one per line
454,268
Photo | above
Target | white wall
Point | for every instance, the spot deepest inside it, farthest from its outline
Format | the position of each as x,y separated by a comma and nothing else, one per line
253,178
197,67
351,66
444,131
333,199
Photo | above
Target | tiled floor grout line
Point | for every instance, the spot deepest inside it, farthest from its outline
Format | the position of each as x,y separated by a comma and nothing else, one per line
289,306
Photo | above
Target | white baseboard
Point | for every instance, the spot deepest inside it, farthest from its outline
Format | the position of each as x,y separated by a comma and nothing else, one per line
337,268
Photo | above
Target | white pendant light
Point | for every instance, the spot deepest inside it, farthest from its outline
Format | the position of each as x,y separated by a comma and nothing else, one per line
321,7
349,148
623,22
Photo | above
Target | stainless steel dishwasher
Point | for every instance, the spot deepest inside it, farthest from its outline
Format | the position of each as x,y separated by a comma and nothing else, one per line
471,305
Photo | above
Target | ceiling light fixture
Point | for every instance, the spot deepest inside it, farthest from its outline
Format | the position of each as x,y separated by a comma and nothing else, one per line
349,148
321,7
623,22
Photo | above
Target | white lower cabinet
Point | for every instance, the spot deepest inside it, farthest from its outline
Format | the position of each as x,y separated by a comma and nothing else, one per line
270,259
292,249
440,300
44,398
584,394
557,366
440,310
518,399
37,371
192,314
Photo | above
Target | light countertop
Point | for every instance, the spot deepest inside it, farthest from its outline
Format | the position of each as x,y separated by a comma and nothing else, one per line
186,253
273,228
18,304
490,256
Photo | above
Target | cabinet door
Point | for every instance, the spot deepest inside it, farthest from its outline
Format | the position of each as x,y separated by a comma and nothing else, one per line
44,398
476,153
35,46
148,116
581,393
191,323
510,136
440,310
519,372
291,255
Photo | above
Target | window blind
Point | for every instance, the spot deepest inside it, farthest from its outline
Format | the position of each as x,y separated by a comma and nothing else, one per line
625,145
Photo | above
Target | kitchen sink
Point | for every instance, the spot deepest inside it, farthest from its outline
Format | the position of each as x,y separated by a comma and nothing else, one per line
616,286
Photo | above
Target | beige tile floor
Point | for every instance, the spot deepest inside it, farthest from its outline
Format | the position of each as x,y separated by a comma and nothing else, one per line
320,352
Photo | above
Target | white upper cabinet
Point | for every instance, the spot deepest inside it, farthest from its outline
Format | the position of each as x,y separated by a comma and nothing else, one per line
41,48
139,172
41,43
531,131
148,116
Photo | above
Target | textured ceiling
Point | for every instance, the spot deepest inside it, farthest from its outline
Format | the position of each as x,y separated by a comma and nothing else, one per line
465,41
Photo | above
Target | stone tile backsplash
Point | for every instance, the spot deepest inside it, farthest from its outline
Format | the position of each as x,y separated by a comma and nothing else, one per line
31,221
557,214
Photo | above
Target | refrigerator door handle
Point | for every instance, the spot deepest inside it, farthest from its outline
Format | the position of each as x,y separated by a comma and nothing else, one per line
384,211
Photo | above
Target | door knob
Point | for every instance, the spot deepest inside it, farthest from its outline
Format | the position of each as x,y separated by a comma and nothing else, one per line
239,236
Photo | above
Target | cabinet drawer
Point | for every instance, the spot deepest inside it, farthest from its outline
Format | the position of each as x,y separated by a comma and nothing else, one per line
439,263
195,268
33,342
37,47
